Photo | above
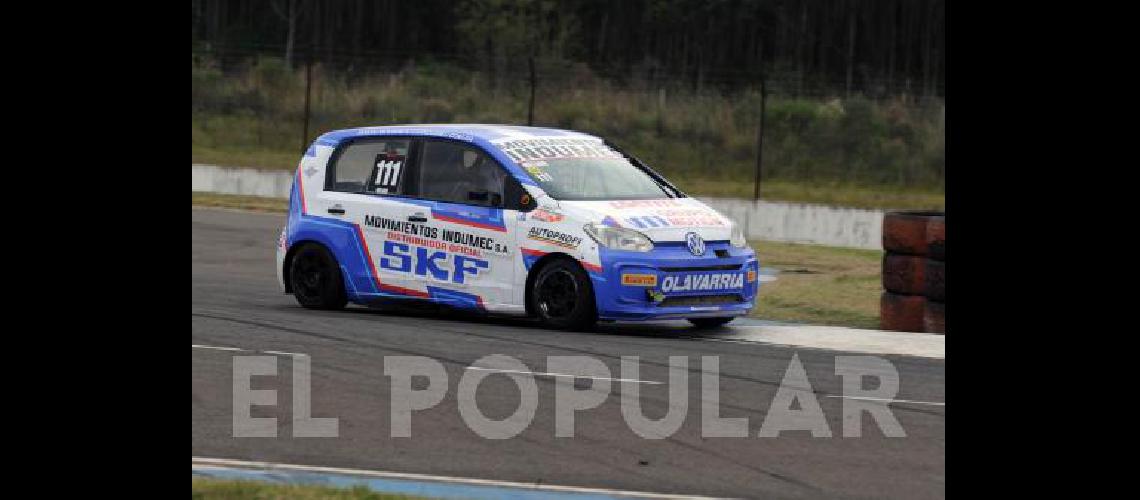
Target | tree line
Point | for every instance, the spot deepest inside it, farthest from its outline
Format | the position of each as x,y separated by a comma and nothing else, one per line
873,47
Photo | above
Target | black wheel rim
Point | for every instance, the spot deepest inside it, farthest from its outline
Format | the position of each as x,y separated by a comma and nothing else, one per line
557,294
308,275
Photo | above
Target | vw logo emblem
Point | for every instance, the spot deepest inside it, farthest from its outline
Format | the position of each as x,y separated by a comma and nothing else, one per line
696,244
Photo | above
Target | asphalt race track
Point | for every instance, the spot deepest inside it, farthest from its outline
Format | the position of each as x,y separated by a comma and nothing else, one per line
236,304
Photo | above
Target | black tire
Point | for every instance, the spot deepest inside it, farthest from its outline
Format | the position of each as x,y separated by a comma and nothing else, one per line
906,232
316,279
935,287
904,274
563,296
702,323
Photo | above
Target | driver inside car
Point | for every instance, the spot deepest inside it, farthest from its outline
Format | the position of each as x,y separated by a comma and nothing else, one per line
476,174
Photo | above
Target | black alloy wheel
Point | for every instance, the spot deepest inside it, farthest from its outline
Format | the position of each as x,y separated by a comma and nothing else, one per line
316,279
563,297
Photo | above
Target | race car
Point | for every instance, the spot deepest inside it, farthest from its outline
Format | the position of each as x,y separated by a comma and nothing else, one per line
555,224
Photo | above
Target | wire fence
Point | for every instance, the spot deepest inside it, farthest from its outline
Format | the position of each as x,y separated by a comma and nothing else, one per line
646,76
728,127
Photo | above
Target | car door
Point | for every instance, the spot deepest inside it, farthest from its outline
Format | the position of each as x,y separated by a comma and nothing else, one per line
464,189
365,186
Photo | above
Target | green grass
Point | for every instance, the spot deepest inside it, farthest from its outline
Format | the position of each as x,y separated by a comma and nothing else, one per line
211,489
255,203
822,192
265,159
820,285
817,284
852,152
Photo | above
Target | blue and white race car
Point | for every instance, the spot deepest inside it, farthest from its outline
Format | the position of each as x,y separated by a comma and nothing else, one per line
550,223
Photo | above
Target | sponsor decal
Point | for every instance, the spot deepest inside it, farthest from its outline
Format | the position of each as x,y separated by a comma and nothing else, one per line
644,221
666,203
668,219
526,151
546,215
751,275
449,240
702,282
460,136
666,213
633,279
388,168
427,262
538,173
695,243
554,237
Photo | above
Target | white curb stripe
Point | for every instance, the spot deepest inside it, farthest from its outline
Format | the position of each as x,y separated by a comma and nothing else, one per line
243,464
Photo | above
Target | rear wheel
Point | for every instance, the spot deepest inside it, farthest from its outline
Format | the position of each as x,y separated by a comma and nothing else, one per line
710,322
563,297
316,279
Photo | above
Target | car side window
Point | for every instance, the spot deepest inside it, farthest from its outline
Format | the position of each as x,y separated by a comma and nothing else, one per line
370,166
453,172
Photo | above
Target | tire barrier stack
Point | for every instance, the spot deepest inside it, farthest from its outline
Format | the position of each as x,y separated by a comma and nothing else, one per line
914,272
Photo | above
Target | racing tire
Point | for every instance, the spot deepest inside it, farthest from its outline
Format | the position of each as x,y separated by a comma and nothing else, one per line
316,278
902,312
935,276
936,238
703,323
906,232
934,317
904,274
563,296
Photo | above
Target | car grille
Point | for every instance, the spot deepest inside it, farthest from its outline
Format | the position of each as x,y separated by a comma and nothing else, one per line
701,300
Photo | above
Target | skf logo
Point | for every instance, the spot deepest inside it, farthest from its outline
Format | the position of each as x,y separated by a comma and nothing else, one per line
398,257
639,279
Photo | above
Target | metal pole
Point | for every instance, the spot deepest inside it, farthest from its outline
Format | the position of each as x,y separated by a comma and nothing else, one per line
308,94
760,138
533,83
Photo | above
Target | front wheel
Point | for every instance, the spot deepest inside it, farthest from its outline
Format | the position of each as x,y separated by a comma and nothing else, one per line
563,297
316,279
710,322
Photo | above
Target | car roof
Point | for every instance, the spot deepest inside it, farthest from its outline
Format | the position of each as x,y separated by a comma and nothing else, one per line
487,132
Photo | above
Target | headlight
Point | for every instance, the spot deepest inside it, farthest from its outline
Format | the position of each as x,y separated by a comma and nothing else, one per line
619,238
737,239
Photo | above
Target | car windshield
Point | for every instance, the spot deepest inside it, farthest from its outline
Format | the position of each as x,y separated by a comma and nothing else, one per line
595,179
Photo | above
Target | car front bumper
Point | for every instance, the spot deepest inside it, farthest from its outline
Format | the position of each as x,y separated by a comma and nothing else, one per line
671,283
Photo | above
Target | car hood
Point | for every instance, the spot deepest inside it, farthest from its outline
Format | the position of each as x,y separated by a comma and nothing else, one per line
667,219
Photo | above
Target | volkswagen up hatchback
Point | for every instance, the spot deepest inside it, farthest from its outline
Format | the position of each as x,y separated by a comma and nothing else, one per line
549,223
